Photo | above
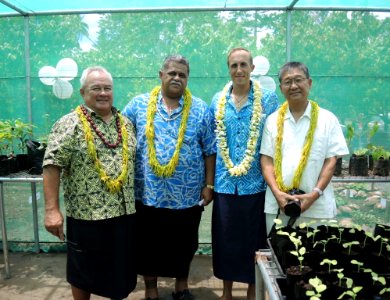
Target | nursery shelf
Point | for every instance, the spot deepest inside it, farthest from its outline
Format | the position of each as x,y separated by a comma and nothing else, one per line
267,271
361,179
26,178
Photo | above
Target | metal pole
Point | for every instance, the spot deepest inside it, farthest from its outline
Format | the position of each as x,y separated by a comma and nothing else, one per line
28,66
4,233
260,288
288,36
35,215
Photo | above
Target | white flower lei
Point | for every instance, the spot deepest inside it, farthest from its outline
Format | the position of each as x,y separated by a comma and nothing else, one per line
254,133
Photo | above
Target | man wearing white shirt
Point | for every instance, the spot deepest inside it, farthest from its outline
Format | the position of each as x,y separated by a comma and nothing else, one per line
300,146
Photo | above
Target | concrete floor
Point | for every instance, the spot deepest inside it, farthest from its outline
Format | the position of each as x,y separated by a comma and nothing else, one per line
42,277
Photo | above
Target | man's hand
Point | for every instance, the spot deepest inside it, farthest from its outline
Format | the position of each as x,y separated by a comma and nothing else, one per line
207,196
54,223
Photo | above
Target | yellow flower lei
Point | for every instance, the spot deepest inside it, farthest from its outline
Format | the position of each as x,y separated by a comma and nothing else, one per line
254,133
168,169
305,151
113,185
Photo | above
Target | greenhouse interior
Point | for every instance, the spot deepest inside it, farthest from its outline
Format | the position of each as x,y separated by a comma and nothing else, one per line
45,45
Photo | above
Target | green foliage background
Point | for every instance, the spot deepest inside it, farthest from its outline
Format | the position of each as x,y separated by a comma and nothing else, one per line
347,54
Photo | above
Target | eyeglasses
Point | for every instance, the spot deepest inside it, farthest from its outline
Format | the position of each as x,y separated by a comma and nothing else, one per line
289,82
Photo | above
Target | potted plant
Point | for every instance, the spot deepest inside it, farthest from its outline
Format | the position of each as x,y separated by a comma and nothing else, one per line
21,133
380,160
339,246
7,158
358,162
318,287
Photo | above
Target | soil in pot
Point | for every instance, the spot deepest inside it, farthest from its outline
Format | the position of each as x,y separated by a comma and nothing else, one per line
381,167
23,162
4,165
338,168
358,165
36,154
382,230
13,165
296,274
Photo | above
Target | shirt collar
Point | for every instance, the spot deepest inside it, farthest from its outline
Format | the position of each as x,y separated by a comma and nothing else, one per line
250,96
93,113
306,114
161,104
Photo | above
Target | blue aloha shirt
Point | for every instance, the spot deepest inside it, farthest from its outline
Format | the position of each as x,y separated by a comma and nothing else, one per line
237,127
183,189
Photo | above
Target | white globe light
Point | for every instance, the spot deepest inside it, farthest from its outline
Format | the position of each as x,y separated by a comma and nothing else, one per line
67,69
267,83
62,89
47,75
261,65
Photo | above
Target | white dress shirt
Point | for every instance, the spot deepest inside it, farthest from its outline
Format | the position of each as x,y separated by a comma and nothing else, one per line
328,141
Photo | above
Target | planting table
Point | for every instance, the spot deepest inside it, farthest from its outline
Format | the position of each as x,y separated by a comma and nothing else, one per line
267,267
21,177
267,271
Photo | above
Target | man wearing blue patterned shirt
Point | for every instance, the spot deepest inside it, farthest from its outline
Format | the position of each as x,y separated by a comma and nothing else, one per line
238,222
175,162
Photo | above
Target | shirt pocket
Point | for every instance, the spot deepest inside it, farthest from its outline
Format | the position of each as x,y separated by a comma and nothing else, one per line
319,147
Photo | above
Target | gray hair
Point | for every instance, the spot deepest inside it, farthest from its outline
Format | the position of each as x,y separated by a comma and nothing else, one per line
293,65
175,58
89,70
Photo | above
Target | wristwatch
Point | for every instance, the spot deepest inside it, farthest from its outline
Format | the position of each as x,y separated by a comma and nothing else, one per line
211,187
318,190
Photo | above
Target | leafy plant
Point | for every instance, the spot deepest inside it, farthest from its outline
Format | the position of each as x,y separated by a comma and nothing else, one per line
358,263
306,226
318,286
299,252
352,292
377,278
383,242
329,262
340,275
349,246
21,131
385,290
341,230
361,152
350,133
6,137
324,242
312,234
378,152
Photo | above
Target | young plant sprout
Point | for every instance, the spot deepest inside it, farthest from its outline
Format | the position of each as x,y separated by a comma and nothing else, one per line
383,242
352,292
299,252
349,246
324,242
312,234
318,286
340,275
358,263
329,262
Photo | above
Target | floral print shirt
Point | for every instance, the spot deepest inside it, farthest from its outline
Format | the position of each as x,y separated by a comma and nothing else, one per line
85,195
183,189
237,133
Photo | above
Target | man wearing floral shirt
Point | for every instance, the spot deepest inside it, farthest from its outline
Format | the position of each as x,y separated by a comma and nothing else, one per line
175,162
93,148
238,224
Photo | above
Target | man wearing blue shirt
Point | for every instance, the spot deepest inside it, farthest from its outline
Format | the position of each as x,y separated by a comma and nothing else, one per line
174,176
238,223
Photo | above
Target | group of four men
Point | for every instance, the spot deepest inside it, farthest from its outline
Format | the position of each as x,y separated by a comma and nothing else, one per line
135,183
